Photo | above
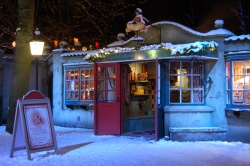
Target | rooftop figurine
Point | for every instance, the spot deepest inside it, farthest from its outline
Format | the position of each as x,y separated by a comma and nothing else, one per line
137,24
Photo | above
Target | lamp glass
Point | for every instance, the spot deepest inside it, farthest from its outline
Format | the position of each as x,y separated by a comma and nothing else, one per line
36,47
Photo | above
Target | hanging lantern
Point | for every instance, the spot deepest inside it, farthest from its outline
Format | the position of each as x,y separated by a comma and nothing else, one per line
36,45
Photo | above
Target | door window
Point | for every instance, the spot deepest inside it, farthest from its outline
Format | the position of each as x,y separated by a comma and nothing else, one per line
106,84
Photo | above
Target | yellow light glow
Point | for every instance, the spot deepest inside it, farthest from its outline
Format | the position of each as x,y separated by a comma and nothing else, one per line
14,43
36,47
75,40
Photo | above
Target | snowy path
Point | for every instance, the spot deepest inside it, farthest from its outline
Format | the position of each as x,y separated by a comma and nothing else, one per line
80,147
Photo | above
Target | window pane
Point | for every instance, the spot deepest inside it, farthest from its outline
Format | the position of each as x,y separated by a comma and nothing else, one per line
77,86
173,81
111,96
72,95
111,84
86,85
82,85
247,97
111,72
238,82
68,75
101,85
185,83
68,95
238,97
197,67
68,86
82,74
228,69
91,83
86,74
87,95
101,95
174,66
83,95
186,96
238,68
247,66
174,96
92,74
197,82
197,96
72,75
92,95
101,72
185,68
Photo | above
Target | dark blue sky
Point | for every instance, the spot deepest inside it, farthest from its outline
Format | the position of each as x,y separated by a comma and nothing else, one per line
198,14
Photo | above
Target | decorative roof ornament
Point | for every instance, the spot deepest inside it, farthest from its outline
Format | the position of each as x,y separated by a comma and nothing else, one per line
137,24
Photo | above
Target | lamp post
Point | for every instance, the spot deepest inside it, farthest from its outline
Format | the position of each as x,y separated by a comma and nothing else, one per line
36,47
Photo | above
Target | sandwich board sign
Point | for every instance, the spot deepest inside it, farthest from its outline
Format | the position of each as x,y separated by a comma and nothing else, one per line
33,126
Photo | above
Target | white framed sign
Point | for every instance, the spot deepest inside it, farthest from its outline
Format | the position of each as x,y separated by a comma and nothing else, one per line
33,127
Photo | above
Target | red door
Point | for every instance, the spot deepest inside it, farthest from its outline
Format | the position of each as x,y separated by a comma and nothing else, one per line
107,119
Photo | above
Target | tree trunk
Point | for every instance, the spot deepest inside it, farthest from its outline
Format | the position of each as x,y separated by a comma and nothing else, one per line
21,74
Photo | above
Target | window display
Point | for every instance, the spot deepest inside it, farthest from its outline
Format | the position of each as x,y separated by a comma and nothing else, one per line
79,85
240,82
186,82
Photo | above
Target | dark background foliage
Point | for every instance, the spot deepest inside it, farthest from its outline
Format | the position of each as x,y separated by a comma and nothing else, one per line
102,20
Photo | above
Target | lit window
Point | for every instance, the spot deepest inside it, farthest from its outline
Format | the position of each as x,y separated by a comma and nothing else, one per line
186,82
240,82
79,85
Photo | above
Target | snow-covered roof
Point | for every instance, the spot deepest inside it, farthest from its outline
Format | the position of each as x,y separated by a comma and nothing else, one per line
239,52
241,37
122,42
219,32
178,49
75,53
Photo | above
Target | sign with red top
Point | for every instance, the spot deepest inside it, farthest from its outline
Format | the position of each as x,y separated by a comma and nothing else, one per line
33,127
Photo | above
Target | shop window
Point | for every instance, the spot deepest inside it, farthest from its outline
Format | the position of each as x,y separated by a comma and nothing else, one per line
79,85
186,82
240,82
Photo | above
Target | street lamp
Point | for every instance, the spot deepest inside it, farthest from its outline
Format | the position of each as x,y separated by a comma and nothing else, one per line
36,47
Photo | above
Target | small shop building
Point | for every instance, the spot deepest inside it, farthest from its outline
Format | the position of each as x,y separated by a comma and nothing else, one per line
170,82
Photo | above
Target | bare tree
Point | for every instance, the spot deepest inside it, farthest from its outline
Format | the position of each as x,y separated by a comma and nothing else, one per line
242,18
8,24
21,74
88,20
58,19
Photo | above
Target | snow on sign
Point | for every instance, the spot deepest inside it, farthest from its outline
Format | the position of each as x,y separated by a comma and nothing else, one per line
33,128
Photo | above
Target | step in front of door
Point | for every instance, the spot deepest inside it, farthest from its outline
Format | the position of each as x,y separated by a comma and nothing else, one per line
197,133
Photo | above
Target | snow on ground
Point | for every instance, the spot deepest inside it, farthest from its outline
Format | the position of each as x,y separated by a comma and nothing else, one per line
79,146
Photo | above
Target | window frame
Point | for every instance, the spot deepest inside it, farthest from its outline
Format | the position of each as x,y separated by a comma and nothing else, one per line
230,104
78,68
192,88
